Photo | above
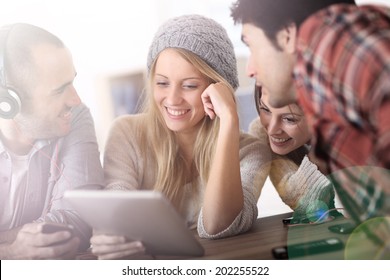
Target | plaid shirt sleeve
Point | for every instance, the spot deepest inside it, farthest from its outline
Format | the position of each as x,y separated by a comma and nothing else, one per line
342,79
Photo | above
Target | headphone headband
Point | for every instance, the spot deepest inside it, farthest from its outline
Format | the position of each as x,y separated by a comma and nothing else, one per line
9,100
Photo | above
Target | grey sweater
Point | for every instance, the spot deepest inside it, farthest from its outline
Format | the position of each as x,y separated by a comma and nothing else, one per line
124,170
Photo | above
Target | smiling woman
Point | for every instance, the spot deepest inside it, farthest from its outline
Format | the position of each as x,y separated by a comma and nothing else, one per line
186,143
286,127
297,180
177,88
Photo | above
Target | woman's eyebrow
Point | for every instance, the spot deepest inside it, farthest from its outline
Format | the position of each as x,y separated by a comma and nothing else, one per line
262,104
294,114
187,78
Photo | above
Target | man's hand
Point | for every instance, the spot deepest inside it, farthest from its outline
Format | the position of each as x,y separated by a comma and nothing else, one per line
32,243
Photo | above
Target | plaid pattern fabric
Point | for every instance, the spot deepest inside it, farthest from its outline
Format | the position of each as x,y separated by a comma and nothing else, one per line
343,84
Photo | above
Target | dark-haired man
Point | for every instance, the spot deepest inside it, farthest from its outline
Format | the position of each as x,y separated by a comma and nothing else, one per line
334,58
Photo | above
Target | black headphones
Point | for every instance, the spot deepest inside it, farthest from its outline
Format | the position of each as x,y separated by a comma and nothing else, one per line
9,100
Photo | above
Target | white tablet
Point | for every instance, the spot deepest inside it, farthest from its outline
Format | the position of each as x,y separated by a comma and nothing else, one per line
146,216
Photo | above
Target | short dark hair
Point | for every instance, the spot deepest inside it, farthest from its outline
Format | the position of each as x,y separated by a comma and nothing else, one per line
18,63
273,15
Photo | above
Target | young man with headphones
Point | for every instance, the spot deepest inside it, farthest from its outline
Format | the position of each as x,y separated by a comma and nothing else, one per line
47,146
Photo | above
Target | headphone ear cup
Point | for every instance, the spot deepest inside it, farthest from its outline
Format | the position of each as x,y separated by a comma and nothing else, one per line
9,103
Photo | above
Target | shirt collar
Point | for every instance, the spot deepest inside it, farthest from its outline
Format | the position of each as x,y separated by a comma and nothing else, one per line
38,145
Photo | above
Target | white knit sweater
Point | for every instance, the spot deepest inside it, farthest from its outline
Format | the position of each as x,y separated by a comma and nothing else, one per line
302,187
124,169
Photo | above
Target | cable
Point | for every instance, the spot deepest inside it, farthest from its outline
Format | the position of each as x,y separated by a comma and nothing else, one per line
54,161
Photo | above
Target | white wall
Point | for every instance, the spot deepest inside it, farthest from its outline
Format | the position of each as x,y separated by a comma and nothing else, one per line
382,2
109,37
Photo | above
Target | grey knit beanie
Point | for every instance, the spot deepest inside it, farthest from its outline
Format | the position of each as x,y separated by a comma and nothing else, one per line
203,37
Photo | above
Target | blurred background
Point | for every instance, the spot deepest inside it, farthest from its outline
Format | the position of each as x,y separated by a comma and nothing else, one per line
109,40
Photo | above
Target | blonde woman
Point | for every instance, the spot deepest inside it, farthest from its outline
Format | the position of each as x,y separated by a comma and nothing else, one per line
187,143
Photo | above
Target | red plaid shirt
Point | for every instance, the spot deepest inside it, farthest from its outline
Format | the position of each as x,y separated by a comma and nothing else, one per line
343,84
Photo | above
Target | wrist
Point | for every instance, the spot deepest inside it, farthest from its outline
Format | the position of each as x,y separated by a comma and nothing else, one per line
9,236
229,120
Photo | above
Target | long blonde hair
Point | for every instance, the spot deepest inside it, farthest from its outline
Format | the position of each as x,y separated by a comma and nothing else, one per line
171,167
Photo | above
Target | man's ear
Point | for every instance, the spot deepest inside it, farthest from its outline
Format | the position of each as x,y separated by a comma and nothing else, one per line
287,38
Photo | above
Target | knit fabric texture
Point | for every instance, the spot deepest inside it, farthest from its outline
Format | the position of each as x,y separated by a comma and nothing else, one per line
202,36
302,187
127,171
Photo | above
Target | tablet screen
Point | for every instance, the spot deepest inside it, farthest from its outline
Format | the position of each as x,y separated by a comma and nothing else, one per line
145,216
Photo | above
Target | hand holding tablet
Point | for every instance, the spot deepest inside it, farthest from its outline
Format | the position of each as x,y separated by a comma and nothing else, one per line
144,216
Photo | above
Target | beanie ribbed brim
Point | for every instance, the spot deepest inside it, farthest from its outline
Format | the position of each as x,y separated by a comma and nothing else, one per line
202,36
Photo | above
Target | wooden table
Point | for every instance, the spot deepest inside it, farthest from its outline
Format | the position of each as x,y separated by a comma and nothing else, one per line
270,232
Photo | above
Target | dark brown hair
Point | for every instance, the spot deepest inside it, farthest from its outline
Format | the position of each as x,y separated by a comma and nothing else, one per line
273,15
